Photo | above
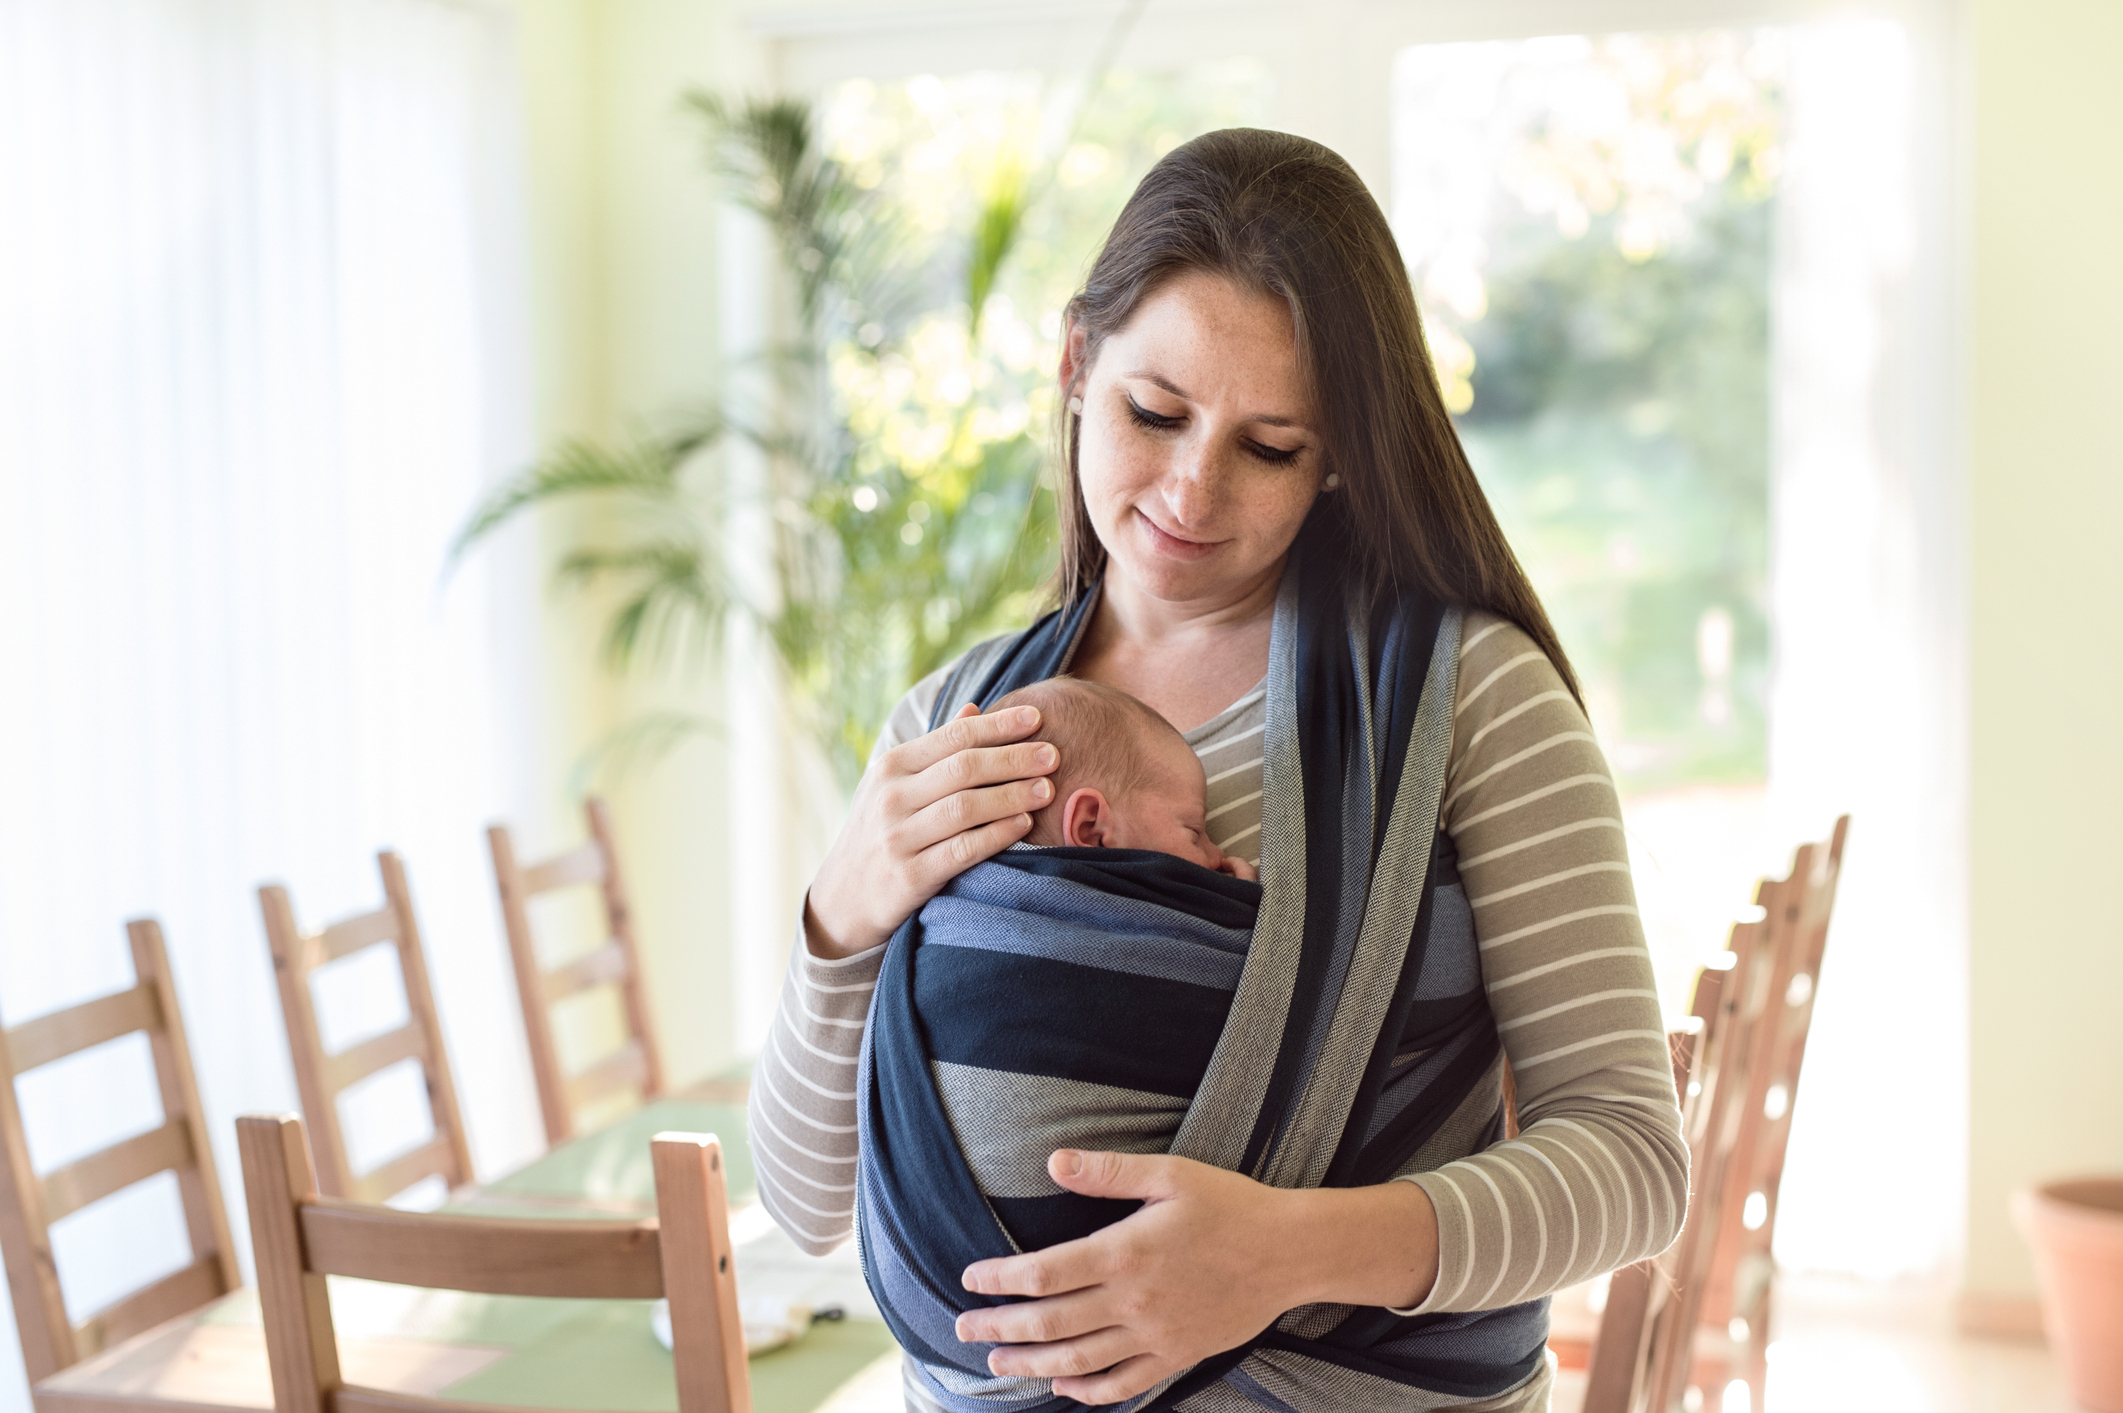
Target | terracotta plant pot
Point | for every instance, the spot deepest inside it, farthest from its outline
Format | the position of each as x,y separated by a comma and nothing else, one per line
2076,1229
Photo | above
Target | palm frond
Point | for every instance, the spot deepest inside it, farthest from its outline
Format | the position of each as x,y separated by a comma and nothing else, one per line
670,587
995,232
641,467
640,742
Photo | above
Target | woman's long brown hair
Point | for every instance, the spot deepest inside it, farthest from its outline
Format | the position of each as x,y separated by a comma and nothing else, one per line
1288,217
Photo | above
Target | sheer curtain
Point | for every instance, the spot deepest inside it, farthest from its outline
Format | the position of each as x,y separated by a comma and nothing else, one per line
258,354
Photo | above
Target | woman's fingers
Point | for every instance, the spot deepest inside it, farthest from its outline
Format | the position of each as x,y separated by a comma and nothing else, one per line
1085,1354
972,769
1120,1383
1045,1322
1057,1270
941,862
1149,1176
973,807
965,732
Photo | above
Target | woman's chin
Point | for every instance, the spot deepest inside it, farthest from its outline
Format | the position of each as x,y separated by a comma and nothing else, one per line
1175,581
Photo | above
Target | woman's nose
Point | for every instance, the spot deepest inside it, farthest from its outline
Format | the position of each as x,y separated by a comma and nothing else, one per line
1190,483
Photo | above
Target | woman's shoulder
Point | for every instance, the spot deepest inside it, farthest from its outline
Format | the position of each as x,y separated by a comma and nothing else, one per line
1502,667
1510,698
910,716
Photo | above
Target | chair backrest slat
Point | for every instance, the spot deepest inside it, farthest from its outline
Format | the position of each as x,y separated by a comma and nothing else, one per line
37,1043
637,1066
582,864
88,1180
351,935
684,1255
489,1255
197,1284
30,1203
321,1078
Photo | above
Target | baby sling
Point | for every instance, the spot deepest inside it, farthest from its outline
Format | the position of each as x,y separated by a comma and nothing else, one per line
1316,1029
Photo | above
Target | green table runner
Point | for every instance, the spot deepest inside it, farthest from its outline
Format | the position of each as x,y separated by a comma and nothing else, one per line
603,1355
608,1173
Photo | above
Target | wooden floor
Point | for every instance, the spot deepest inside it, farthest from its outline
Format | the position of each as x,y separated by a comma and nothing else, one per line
1844,1345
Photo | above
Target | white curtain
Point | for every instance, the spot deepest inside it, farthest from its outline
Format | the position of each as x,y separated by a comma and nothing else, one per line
259,294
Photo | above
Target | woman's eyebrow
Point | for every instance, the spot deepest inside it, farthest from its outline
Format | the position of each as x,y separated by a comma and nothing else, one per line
1268,419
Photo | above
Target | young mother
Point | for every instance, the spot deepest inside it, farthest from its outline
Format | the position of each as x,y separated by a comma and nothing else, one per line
1271,535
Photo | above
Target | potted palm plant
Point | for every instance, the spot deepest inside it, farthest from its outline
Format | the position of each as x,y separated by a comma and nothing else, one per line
902,505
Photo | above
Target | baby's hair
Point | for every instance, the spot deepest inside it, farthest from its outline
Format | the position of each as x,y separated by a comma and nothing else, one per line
1099,732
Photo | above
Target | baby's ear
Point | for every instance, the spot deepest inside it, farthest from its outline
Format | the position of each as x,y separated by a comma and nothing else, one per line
1087,820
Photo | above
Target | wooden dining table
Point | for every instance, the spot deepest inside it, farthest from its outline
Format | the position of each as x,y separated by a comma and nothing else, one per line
532,1353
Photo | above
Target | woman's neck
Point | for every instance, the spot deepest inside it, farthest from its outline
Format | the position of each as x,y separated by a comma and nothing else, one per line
1188,659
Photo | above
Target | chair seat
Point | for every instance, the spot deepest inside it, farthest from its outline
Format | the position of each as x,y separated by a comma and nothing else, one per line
214,1358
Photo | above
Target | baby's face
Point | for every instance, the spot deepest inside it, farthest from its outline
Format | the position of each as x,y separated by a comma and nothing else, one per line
1165,813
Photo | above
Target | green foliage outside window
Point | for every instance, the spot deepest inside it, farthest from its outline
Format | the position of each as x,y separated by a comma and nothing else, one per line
1607,357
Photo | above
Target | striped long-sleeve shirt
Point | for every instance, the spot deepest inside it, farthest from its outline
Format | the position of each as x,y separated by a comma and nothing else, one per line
1598,1175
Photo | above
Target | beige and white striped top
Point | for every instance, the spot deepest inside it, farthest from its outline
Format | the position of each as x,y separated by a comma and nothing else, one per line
1598,1176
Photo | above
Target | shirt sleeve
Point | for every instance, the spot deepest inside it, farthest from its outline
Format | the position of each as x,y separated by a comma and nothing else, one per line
1598,1176
802,1107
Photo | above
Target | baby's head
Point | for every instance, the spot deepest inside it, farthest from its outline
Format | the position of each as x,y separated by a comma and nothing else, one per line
1127,779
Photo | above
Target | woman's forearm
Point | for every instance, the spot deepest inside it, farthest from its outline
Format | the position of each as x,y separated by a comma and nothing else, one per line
1360,1245
802,1119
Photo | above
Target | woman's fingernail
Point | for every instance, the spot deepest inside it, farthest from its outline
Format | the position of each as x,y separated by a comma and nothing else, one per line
1041,789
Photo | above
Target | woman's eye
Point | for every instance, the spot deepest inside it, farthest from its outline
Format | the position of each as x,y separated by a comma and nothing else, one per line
1274,455
1144,417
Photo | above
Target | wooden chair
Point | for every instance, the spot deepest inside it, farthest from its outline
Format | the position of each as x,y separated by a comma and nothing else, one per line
684,1255
322,1078
636,1065
1734,1340
29,1204
1669,1323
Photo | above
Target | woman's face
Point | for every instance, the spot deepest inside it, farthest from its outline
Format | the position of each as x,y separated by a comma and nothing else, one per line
1197,454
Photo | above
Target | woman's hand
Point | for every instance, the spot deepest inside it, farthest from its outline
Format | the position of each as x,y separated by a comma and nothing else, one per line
1209,1261
930,809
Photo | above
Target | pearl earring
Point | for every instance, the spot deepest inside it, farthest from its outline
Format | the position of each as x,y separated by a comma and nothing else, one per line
1076,407
1334,479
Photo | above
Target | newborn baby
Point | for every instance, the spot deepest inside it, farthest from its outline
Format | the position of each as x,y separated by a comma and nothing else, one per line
1127,778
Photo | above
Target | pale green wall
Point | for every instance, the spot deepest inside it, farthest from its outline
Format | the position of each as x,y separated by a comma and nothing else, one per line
2045,383
623,258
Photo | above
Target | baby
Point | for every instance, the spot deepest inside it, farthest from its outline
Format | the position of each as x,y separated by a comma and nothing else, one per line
1127,779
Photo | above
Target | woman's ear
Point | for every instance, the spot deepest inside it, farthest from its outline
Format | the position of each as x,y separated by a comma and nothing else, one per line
1071,369
1087,820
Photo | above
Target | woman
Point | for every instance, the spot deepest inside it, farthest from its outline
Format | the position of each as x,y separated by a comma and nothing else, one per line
1271,536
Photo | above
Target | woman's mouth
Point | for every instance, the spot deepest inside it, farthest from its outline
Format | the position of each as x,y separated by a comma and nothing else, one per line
1174,546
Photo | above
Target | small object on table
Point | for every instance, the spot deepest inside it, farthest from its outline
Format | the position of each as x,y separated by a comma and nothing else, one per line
770,1322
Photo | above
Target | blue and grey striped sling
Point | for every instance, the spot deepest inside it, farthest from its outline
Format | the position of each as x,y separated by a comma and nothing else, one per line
1315,1029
